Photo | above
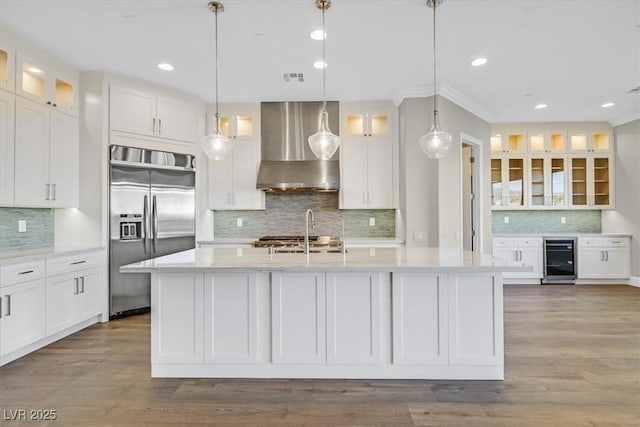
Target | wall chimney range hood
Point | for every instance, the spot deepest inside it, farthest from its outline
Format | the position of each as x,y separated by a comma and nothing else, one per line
287,162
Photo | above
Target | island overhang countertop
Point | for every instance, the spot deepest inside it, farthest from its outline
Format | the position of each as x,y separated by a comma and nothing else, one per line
436,260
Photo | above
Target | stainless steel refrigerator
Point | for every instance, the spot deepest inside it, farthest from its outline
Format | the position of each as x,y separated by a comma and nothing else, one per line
152,205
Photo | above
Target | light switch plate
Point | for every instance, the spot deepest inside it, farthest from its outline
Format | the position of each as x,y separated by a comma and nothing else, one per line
420,236
372,221
22,226
563,220
239,222
506,219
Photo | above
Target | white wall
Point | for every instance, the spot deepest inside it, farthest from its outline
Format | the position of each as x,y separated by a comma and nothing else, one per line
430,190
626,217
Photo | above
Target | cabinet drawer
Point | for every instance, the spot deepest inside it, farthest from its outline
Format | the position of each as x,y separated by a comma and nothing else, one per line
72,263
18,273
499,242
532,242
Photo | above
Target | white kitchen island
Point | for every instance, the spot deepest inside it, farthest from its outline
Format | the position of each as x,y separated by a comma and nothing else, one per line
422,313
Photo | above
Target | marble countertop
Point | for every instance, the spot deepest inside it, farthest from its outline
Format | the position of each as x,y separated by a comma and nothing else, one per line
437,260
17,257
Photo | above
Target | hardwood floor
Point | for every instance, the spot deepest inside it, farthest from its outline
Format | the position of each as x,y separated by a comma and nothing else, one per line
572,357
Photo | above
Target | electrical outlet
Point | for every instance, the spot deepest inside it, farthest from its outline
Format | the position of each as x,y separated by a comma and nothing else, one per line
372,251
563,220
420,236
239,222
506,219
372,221
239,251
22,226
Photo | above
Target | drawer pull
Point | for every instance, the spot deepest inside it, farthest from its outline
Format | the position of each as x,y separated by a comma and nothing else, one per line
8,305
78,262
26,272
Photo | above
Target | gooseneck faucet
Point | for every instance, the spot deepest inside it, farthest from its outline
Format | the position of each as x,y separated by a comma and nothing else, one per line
308,215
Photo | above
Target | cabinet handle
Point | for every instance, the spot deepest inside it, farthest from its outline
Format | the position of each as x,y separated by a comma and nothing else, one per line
606,258
78,262
82,284
75,286
153,125
47,188
26,272
1,298
159,126
53,191
8,305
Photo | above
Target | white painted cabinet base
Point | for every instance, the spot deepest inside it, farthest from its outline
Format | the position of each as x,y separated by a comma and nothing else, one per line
304,324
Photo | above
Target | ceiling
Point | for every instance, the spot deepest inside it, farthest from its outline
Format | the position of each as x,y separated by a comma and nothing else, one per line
572,55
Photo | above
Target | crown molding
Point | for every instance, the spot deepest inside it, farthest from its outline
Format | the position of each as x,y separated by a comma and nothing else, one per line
448,92
624,120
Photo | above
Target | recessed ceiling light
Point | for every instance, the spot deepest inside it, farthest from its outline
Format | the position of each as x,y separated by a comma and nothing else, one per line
318,35
34,70
608,104
319,65
165,67
479,61
540,106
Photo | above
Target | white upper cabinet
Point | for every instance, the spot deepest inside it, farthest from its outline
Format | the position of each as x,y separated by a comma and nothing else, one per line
7,135
508,143
145,113
368,156
46,157
592,142
232,182
44,82
508,182
547,142
547,181
7,66
591,181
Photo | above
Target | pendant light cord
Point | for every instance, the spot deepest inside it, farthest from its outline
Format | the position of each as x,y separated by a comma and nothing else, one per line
435,91
324,65
216,79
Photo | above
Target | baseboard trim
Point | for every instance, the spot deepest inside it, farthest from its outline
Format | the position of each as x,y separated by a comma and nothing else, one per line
635,281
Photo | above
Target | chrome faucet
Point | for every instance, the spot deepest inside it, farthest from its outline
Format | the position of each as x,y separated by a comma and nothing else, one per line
307,215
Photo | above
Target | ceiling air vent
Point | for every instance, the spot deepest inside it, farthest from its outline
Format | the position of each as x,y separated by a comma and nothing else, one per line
293,77
636,90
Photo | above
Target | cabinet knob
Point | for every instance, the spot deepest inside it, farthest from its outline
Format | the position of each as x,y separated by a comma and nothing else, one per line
48,102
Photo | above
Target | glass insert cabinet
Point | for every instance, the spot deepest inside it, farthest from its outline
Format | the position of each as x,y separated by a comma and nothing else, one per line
508,182
548,181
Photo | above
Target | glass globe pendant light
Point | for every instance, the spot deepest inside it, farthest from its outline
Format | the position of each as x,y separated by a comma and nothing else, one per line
324,143
436,142
216,146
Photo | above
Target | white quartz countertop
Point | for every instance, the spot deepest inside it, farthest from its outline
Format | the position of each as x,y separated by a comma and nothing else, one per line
561,235
380,259
17,257
348,240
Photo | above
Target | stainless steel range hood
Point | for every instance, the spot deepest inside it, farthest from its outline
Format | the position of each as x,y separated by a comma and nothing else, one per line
287,161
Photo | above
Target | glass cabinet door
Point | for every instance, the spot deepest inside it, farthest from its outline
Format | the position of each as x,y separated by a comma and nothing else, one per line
496,182
558,176
516,182
579,181
7,68
368,124
601,186
537,180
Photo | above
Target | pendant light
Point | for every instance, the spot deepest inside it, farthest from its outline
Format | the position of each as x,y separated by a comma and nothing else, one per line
215,145
324,143
436,142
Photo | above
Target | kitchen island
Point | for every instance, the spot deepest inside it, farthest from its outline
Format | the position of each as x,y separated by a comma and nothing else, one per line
422,313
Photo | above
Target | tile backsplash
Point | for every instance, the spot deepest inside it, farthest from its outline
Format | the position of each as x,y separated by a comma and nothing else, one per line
40,229
587,221
285,214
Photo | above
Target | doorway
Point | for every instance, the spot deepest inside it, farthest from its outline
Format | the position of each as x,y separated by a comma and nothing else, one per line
471,223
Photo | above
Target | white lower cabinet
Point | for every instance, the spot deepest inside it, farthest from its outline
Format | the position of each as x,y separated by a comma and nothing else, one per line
475,325
71,298
22,321
177,333
298,318
604,258
520,251
420,332
231,318
353,318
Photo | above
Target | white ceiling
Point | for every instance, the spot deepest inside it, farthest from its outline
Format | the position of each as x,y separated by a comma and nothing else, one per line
573,55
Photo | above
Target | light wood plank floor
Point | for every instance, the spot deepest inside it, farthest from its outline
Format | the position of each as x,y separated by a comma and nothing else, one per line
572,359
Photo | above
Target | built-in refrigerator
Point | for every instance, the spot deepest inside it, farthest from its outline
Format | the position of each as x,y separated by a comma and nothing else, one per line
152,213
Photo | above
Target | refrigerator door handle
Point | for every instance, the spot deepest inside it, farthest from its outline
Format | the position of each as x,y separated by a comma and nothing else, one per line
145,219
154,224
